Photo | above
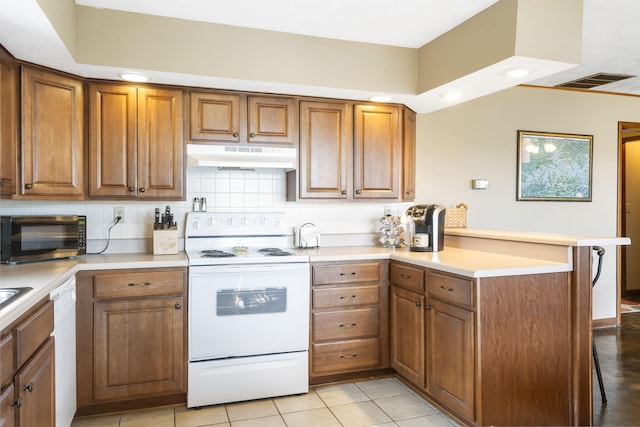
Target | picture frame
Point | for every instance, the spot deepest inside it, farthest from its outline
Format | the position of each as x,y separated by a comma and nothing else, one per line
554,167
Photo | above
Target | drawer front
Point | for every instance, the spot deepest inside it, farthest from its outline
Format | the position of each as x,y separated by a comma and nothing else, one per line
7,367
345,324
451,289
346,356
344,297
124,285
346,273
406,277
33,332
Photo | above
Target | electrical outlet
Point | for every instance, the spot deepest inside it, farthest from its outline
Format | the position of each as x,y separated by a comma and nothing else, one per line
118,212
387,210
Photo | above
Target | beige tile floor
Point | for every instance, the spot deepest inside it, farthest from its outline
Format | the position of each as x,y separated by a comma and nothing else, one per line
381,402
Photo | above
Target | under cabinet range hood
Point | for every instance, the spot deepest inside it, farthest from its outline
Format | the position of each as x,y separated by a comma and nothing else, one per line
241,157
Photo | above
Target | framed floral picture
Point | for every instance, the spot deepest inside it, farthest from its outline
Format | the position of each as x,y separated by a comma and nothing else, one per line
554,166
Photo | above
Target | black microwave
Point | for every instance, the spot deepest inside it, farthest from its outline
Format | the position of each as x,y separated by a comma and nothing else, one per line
40,238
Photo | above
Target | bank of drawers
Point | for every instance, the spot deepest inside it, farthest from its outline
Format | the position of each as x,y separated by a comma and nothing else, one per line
345,318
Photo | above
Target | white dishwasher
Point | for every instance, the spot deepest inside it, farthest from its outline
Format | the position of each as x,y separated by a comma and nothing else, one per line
64,331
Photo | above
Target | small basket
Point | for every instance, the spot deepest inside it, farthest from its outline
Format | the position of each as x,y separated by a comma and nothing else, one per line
456,217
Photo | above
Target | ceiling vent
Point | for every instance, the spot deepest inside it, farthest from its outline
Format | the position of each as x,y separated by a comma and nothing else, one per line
594,80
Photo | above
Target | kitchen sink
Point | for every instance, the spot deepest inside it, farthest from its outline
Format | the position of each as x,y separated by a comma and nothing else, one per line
9,295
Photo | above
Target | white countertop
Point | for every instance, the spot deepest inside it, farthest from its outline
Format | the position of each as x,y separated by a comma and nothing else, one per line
558,239
452,260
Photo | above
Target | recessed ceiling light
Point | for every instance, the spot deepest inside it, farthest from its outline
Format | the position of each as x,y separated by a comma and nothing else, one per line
517,72
134,77
380,99
451,96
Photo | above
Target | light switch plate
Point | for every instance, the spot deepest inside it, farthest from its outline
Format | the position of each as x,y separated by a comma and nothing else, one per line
479,184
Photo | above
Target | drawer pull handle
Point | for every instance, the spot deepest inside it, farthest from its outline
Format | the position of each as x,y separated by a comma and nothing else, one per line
28,387
446,289
140,284
353,273
343,325
405,276
345,297
17,403
348,356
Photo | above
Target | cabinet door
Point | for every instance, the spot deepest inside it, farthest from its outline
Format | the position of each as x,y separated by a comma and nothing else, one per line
160,144
408,155
8,123
377,152
36,387
325,150
271,120
138,348
408,335
112,140
451,354
52,136
7,407
214,117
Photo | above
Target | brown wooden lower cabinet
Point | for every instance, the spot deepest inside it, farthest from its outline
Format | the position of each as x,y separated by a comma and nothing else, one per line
349,318
27,396
490,351
131,339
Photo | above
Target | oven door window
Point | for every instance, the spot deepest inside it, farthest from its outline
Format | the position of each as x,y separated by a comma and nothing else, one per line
240,302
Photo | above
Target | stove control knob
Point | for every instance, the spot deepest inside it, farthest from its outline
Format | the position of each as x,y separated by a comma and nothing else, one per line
210,221
231,221
243,220
196,224
263,220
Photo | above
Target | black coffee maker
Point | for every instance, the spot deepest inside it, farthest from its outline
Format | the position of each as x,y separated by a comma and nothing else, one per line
426,228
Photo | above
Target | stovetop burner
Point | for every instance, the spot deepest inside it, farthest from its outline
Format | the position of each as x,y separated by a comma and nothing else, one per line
274,252
215,253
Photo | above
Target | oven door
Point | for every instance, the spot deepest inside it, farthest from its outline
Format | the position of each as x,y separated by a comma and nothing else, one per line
248,310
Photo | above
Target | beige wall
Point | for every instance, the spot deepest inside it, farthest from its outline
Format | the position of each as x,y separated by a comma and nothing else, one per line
477,139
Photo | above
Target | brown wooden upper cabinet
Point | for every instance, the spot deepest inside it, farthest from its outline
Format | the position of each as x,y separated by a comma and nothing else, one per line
136,146
408,155
236,118
353,152
8,122
52,149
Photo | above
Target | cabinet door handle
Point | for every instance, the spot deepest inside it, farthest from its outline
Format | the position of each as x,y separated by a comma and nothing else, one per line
17,402
344,325
131,189
348,356
343,192
353,273
446,289
1,182
418,304
142,189
252,135
178,306
28,186
140,284
358,191
235,134
28,387
345,297
407,193
427,307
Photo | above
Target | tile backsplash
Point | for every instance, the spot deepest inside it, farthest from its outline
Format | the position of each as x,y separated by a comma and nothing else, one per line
226,191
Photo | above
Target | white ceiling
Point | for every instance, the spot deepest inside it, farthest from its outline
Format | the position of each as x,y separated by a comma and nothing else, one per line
611,36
